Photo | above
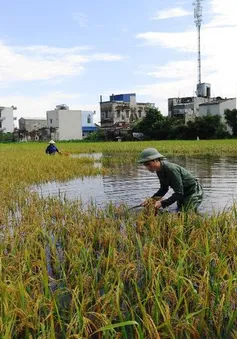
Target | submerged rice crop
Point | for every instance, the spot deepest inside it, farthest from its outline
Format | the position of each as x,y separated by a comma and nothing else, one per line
69,272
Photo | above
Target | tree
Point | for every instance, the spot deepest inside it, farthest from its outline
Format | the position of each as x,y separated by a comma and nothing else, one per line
180,132
152,124
207,127
98,135
6,137
231,120
157,127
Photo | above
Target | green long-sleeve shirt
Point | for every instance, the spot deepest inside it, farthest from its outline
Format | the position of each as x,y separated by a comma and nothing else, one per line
178,178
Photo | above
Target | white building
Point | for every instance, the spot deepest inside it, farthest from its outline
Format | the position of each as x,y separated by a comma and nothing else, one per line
32,124
122,109
66,123
7,119
87,118
217,107
179,107
88,125
189,106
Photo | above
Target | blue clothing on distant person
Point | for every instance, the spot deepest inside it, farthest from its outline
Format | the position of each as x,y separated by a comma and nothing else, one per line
51,149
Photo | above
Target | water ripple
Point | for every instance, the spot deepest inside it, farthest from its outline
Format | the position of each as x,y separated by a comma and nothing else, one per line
133,183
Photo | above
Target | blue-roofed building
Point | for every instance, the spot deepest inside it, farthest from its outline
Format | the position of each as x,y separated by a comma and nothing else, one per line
88,125
122,110
122,97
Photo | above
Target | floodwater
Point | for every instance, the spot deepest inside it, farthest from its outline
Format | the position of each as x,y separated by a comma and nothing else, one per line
133,183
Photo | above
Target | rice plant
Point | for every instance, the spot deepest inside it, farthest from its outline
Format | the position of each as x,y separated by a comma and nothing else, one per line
67,271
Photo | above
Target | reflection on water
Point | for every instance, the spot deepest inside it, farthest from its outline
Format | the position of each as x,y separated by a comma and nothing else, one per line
134,183
94,156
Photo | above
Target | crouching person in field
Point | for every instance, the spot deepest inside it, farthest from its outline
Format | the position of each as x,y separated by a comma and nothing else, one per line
188,192
52,149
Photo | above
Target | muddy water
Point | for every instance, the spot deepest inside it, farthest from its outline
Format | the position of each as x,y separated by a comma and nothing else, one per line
134,183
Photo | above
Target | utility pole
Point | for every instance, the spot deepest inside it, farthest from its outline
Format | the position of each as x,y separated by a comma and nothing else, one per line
198,21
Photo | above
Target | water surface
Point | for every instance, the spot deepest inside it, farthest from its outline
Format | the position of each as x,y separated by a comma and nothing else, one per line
133,183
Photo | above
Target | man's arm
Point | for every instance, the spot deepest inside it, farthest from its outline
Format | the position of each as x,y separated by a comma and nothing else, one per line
58,151
161,192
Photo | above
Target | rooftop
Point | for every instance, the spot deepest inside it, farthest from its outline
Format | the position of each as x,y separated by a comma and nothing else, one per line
126,103
27,118
89,128
216,102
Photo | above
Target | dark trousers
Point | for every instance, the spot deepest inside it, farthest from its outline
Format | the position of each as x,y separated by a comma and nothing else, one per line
192,201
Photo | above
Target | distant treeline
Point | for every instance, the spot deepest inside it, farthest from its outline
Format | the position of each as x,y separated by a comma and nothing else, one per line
155,126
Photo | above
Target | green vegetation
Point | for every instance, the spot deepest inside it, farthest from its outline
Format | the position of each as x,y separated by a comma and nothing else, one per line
231,119
66,272
155,126
6,137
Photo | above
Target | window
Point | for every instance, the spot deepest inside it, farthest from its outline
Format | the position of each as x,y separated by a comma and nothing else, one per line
106,114
139,113
118,113
51,121
127,113
89,119
0,124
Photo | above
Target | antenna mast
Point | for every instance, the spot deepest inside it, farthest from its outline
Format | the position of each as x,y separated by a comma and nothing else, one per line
198,21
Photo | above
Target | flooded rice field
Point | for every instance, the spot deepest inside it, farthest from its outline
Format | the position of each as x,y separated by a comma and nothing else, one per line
132,183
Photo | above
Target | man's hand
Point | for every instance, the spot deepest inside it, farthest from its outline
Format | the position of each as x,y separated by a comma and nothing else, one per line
155,202
158,204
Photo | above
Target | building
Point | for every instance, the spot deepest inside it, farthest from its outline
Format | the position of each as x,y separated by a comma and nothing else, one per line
88,125
7,119
32,129
65,124
217,107
32,124
180,107
122,110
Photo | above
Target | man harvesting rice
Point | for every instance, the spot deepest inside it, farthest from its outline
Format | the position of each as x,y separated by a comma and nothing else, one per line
188,192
